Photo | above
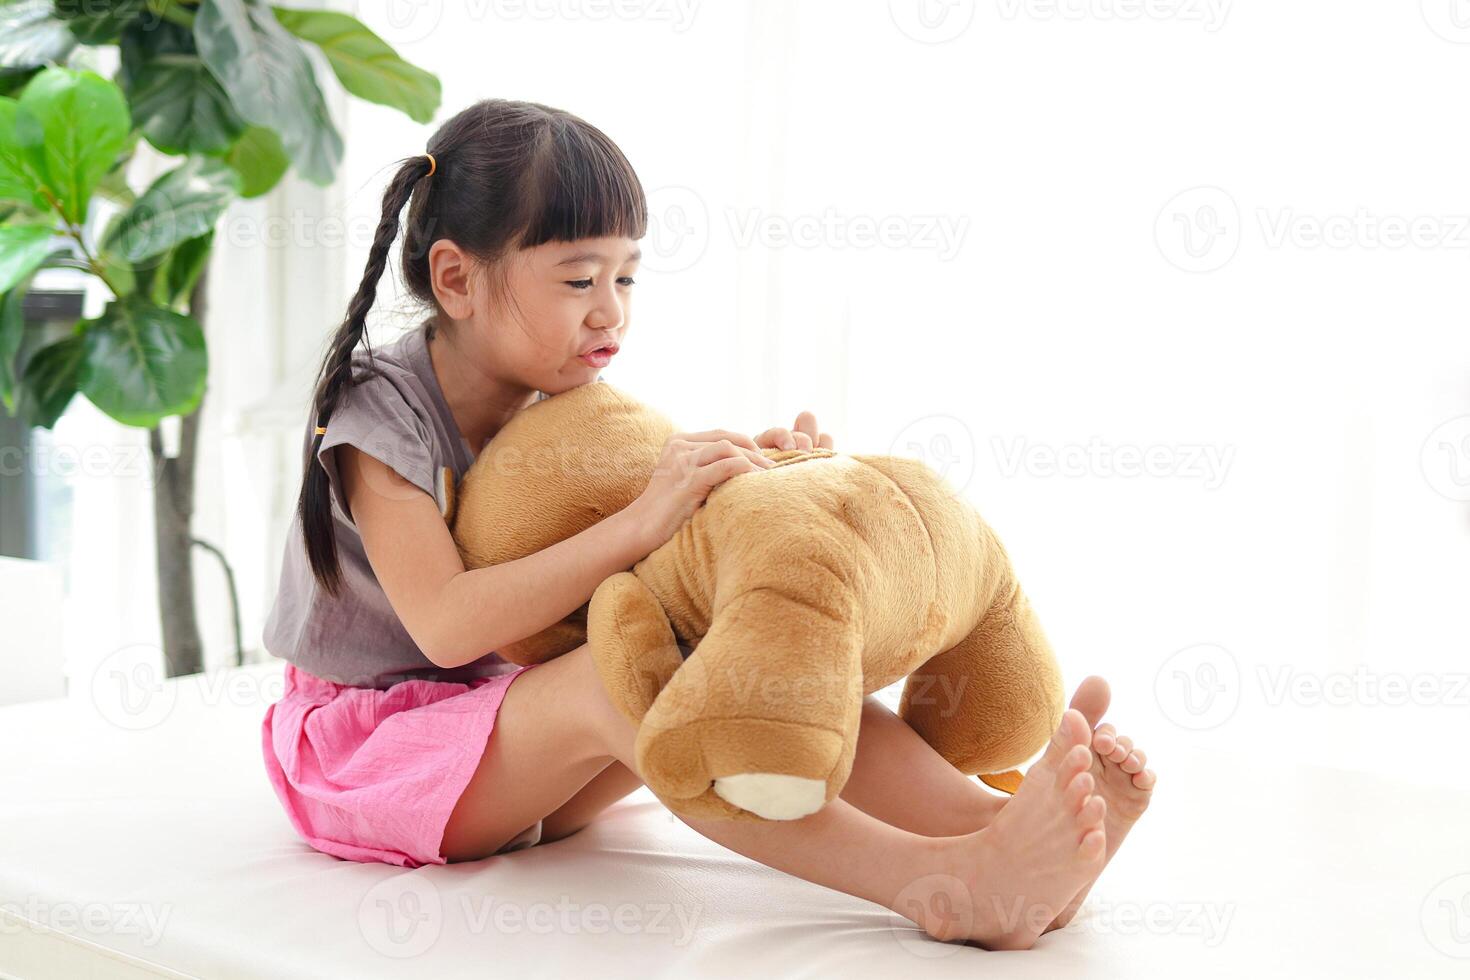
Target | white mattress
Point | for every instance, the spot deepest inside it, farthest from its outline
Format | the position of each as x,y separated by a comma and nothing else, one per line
151,845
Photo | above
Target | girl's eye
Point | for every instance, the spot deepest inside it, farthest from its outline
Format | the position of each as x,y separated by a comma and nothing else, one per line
587,283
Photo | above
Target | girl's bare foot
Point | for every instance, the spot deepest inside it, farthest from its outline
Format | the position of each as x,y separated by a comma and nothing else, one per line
1000,886
1119,776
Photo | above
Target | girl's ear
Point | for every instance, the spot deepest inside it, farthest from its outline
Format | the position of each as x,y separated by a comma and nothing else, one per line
451,275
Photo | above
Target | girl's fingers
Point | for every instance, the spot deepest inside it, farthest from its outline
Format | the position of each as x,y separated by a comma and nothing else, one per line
715,435
776,438
711,452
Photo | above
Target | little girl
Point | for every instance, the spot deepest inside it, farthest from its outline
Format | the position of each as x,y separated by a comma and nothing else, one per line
402,737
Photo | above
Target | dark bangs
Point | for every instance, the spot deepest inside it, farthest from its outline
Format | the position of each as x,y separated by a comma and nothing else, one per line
583,188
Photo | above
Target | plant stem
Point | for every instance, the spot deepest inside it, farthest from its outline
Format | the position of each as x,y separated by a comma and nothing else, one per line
75,233
171,11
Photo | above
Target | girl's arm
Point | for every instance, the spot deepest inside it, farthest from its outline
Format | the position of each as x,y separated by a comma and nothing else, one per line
455,615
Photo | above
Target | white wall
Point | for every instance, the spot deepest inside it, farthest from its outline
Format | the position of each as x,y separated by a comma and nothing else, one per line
1049,282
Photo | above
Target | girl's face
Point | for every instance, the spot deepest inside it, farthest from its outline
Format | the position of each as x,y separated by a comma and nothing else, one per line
569,298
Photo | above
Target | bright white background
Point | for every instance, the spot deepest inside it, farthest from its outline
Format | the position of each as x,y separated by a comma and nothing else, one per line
1040,245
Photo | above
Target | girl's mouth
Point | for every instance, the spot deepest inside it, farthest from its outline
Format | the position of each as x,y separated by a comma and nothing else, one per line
597,358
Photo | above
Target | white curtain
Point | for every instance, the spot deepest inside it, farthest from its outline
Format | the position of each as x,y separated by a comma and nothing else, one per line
1173,292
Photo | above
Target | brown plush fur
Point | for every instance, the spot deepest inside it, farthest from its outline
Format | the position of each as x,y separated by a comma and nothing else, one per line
801,588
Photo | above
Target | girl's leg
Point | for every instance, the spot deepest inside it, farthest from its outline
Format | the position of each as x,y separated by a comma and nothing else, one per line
937,800
900,779
605,789
999,886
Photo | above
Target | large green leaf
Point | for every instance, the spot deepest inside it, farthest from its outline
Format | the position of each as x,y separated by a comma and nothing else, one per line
143,362
175,100
31,34
18,181
181,108
13,80
269,80
50,381
12,328
182,204
259,159
22,250
168,281
71,126
364,63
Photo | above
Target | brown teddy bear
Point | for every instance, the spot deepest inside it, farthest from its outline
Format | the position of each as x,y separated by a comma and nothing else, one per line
743,646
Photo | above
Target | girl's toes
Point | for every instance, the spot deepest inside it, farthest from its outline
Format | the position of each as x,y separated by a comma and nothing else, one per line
1121,748
1145,780
1134,763
1078,790
1104,739
1094,842
1078,759
1092,812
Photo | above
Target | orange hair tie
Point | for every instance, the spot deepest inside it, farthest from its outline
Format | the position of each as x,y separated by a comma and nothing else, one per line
321,430
433,165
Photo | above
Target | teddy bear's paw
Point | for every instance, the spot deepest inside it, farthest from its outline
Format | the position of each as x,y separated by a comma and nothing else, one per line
773,795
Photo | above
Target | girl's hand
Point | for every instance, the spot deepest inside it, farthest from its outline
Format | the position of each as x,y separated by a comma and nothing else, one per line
690,465
805,436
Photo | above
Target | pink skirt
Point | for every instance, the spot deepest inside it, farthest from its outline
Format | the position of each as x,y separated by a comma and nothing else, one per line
373,775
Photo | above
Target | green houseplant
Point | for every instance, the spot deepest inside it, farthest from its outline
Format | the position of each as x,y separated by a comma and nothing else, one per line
229,89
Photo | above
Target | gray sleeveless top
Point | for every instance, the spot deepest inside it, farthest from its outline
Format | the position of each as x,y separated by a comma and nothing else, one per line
400,417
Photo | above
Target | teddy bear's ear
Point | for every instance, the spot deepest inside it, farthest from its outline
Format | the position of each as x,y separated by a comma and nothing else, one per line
445,493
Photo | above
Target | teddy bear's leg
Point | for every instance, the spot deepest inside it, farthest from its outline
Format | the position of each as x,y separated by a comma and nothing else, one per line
631,642
765,712
993,700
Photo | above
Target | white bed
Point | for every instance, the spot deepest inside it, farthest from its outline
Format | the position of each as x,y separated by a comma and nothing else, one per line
149,844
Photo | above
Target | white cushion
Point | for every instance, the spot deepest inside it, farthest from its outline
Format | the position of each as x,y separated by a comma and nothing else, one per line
151,845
